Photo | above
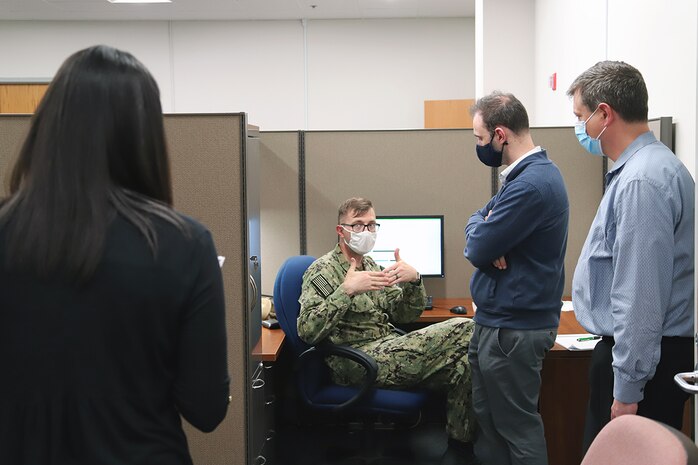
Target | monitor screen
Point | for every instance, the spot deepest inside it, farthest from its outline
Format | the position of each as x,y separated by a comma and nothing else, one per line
419,238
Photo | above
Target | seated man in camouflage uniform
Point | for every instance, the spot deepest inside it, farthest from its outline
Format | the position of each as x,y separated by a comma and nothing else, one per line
349,299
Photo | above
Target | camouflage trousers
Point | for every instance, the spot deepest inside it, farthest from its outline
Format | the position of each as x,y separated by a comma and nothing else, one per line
434,357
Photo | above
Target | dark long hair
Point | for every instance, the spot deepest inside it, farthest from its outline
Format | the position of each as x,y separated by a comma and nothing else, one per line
96,147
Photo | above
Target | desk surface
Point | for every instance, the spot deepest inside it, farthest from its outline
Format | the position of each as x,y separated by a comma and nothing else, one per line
441,311
269,345
271,341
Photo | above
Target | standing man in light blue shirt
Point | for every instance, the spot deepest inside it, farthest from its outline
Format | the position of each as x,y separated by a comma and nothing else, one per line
633,283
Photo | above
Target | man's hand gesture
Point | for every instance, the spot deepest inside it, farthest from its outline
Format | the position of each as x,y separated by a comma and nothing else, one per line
358,282
401,271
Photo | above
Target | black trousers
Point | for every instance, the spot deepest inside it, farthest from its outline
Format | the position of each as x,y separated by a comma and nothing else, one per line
663,399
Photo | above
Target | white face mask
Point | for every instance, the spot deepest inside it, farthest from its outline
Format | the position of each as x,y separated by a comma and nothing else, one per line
363,242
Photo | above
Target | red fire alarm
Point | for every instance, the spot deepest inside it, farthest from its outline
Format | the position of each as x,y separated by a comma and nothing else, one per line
552,81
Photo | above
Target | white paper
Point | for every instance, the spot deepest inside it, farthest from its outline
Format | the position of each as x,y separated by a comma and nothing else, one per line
566,305
221,260
571,342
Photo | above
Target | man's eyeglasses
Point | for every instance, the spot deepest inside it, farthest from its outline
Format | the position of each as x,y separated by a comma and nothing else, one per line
359,227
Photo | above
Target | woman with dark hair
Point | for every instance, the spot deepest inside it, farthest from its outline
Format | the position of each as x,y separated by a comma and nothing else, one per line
111,303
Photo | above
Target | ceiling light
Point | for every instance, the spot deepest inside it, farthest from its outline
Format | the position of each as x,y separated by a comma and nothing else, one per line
140,1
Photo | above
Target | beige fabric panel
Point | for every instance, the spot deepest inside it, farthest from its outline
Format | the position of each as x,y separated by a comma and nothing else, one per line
280,215
205,154
13,130
583,175
429,172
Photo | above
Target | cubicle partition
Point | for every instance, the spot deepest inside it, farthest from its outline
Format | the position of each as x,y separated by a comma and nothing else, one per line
418,172
207,154
13,130
583,175
404,172
207,176
280,202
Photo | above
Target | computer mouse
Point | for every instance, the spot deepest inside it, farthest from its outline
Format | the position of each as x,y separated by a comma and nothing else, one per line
459,309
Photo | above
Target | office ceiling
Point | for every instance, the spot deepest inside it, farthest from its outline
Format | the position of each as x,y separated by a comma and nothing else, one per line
234,9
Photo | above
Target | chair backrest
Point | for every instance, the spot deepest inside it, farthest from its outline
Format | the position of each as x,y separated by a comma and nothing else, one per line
636,440
287,290
314,374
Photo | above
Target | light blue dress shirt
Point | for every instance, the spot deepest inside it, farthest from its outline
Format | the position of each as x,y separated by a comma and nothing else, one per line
634,278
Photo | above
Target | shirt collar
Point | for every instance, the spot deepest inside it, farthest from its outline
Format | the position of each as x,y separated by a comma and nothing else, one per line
503,175
644,139
343,260
340,255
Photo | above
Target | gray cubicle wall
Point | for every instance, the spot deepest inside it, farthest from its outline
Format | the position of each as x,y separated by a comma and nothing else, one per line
279,199
205,160
405,172
205,154
13,130
583,175
663,129
411,172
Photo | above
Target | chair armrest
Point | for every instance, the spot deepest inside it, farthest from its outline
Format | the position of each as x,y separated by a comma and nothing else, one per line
687,381
366,361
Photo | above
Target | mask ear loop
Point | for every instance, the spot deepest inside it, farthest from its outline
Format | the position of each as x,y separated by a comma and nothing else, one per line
503,143
602,131
592,114
587,121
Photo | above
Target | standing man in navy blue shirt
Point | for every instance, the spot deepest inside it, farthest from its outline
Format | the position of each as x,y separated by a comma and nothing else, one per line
517,242
633,283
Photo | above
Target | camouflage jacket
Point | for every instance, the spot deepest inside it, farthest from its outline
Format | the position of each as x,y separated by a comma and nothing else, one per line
328,312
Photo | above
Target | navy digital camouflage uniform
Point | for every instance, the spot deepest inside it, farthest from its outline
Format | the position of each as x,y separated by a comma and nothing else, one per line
435,357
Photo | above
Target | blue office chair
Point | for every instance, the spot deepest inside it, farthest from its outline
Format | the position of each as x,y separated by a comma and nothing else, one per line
313,378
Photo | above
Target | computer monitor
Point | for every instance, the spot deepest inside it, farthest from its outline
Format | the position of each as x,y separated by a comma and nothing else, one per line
419,238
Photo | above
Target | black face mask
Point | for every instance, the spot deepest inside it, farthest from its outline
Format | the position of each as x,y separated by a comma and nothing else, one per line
489,155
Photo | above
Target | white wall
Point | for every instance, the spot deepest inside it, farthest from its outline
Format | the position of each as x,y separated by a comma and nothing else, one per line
506,43
362,74
663,46
37,49
254,66
658,38
370,74
377,73
569,38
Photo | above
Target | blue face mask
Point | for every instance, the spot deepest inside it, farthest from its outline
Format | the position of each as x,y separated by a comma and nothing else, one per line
591,145
489,155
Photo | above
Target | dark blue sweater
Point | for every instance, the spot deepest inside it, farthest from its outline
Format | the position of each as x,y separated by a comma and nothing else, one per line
528,227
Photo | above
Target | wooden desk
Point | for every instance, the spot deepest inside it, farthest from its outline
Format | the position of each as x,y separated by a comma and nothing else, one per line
441,311
564,385
269,345
271,341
